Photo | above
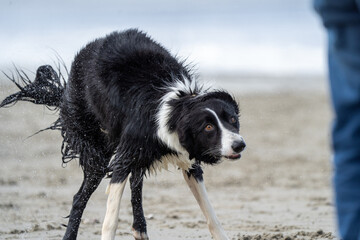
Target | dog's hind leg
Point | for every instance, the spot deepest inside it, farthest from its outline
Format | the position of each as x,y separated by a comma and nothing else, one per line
195,182
115,191
90,183
139,224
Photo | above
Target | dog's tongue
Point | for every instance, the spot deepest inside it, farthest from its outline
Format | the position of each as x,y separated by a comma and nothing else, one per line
234,156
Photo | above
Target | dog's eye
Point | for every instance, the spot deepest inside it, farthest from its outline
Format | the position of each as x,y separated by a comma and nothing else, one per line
232,120
209,128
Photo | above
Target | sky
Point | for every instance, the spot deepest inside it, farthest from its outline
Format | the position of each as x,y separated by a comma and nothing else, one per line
253,37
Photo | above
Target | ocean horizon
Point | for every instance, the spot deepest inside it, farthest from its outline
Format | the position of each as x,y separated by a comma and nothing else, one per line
277,39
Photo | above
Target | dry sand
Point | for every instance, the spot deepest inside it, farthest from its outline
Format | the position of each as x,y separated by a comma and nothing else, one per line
279,189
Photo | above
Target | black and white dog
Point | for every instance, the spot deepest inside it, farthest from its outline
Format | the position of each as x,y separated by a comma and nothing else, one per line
129,108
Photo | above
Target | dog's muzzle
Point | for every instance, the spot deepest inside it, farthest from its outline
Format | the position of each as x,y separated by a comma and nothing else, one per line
237,146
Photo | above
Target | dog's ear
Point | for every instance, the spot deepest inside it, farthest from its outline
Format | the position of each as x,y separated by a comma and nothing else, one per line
186,139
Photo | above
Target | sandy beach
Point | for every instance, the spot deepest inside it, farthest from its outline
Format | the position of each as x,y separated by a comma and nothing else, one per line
279,189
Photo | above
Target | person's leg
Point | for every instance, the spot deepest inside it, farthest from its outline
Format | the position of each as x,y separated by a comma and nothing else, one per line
344,74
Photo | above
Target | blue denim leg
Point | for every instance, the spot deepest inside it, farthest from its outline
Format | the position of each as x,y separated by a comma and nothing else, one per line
336,12
344,74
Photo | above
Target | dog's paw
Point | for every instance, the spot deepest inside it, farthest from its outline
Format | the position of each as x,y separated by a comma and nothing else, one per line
140,235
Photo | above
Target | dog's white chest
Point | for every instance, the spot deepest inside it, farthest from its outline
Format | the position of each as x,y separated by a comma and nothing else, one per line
181,161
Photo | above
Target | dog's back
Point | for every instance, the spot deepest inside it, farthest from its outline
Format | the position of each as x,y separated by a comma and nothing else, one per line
115,83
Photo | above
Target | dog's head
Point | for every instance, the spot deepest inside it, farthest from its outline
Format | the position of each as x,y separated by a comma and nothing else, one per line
210,130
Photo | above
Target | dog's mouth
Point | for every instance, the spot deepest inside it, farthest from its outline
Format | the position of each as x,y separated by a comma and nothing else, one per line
233,156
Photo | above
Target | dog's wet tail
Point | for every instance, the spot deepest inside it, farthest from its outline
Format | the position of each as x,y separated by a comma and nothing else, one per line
46,89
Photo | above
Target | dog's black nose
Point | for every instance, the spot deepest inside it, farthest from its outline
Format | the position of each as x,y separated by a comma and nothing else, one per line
238,146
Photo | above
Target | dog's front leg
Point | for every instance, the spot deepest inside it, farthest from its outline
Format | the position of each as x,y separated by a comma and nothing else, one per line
197,187
115,191
139,224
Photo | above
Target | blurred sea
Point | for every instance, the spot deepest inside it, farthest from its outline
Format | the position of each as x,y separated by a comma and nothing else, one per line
263,43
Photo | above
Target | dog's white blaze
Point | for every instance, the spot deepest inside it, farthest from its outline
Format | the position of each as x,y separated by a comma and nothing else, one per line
171,139
227,137
199,191
115,191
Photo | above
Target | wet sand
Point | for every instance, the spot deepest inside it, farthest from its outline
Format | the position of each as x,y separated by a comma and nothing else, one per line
279,189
